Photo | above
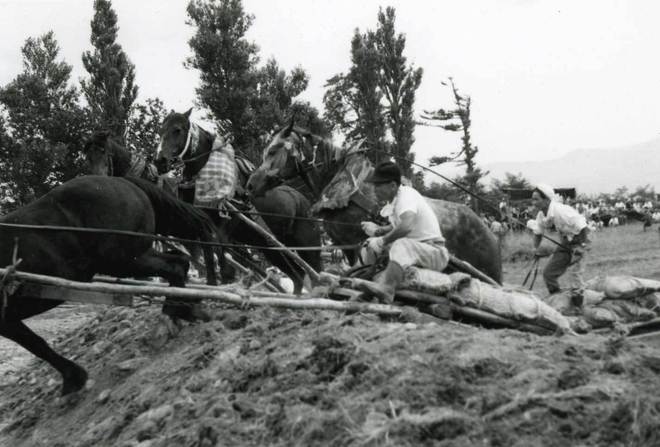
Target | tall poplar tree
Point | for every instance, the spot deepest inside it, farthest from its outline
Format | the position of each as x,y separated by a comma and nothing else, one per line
376,96
255,98
110,90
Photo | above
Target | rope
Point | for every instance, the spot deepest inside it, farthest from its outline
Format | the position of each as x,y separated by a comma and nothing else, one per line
174,239
259,213
464,189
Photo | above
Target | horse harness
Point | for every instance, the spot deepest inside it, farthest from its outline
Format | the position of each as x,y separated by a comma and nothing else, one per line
357,197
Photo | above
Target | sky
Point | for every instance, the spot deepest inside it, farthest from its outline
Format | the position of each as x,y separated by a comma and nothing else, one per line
545,77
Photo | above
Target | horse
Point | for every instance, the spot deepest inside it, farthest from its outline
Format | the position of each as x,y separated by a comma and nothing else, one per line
104,203
644,217
335,177
185,142
106,156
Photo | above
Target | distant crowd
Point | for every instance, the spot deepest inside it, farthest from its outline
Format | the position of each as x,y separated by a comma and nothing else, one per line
599,213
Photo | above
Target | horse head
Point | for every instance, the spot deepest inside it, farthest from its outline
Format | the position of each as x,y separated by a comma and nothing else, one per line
289,154
99,153
175,139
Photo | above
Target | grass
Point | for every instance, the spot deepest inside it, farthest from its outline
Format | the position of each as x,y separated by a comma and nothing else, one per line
624,250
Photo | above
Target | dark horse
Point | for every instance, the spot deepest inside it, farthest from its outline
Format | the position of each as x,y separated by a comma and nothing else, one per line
92,202
285,201
335,176
107,156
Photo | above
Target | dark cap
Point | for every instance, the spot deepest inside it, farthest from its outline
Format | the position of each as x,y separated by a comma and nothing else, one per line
385,172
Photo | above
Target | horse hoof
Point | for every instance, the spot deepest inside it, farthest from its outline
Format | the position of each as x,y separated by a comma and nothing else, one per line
74,381
191,314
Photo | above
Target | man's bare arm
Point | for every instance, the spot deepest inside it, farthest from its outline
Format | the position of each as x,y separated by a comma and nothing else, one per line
401,230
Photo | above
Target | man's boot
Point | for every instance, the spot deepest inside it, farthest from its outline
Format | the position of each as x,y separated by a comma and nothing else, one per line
392,277
385,287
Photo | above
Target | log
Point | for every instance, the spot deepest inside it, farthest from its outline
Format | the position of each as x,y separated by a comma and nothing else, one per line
244,270
215,295
80,296
191,285
313,274
469,268
490,318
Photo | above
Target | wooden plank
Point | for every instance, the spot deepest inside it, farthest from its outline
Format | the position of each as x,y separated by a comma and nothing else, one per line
81,296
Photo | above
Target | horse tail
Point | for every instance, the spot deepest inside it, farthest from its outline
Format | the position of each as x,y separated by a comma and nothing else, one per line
175,217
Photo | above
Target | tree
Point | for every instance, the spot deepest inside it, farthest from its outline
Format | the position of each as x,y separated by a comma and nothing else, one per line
110,90
377,94
44,125
645,193
512,181
142,131
255,99
621,193
458,120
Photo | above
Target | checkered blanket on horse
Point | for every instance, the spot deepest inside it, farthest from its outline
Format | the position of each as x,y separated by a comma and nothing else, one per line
217,179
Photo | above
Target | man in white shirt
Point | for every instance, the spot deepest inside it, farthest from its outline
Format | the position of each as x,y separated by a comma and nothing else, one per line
571,226
413,236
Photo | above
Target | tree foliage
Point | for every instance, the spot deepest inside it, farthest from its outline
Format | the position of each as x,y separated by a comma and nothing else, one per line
143,125
512,181
458,119
376,96
110,90
233,86
43,126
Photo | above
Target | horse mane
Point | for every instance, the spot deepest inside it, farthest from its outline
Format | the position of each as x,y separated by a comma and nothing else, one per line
121,155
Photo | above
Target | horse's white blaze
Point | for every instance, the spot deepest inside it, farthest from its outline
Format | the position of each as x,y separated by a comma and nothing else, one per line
160,148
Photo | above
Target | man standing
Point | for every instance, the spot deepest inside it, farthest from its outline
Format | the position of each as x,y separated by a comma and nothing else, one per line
572,227
413,236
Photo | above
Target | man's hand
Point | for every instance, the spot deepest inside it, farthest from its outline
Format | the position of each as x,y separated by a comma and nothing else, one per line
542,251
376,244
369,228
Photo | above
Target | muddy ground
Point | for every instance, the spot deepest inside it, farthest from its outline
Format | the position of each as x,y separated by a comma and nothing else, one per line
274,377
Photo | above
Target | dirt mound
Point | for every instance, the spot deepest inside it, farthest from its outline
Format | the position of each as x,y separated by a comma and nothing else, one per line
274,377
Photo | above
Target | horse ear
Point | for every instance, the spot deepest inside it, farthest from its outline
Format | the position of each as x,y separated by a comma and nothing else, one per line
187,114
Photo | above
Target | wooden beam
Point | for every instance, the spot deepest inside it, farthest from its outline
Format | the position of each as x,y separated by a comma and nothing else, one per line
313,274
468,268
239,299
80,296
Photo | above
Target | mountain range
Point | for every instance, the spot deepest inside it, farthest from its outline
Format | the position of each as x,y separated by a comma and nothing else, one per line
591,171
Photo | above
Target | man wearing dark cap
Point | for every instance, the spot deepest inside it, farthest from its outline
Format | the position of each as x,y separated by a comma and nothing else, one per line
413,236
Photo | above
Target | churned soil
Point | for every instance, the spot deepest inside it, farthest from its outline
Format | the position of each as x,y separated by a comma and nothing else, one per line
277,377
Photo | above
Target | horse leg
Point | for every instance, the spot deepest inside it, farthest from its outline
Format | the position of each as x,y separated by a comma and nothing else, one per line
172,267
74,376
227,271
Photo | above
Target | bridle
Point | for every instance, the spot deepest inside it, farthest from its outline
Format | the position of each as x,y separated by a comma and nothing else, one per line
303,165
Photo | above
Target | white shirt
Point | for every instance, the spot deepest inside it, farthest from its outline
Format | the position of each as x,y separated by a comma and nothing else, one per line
565,219
425,225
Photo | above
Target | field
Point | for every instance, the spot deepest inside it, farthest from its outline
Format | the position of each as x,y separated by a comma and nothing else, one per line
272,377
